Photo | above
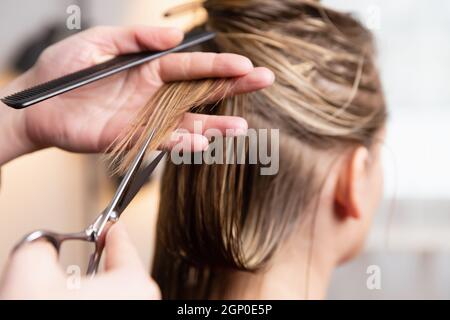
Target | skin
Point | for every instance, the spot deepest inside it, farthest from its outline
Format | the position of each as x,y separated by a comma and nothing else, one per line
89,120
34,273
302,268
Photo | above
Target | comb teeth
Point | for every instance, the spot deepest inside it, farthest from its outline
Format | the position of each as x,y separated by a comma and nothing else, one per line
29,92
83,77
71,81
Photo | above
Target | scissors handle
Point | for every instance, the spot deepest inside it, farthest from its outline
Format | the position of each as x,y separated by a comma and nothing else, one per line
90,234
96,232
57,239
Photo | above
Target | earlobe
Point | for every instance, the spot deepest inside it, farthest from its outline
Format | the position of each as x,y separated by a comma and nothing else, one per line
351,185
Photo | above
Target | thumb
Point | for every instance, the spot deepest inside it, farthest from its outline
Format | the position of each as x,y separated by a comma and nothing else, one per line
120,252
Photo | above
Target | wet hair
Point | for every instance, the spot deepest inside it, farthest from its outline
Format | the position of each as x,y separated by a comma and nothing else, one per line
326,100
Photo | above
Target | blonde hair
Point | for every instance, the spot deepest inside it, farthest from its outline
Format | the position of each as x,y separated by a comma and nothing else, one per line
163,112
326,100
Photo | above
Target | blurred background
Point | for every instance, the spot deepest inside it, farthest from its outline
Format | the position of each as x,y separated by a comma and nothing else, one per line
410,242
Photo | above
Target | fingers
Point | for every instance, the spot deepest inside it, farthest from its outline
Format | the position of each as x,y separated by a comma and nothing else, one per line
195,130
31,271
35,261
193,66
120,40
120,252
201,123
201,65
259,78
185,141
125,276
33,254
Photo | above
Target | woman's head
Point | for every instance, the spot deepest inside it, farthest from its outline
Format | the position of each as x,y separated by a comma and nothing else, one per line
327,97
328,106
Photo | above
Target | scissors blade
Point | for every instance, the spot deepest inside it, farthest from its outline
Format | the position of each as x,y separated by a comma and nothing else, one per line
139,181
128,179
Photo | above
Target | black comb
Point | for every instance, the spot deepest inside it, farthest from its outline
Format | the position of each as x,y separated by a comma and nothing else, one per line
83,77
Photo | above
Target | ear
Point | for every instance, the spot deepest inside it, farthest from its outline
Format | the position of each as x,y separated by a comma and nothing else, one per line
352,183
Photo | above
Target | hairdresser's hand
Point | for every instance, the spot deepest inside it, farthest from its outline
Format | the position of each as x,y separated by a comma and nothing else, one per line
34,273
90,118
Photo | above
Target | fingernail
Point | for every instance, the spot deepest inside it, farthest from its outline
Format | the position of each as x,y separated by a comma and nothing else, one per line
248,62
270,76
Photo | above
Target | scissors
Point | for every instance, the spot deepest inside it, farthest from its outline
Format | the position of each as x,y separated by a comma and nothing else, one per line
96,232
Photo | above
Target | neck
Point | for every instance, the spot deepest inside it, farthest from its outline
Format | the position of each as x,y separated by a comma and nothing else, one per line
294,273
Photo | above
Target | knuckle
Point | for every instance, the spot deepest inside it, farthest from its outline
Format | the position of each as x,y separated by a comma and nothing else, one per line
47,53
186,63
216,62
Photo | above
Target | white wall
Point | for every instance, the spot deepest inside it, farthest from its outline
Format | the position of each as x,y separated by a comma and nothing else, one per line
413,248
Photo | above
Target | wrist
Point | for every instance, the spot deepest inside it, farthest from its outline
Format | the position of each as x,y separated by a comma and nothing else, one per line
14,140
